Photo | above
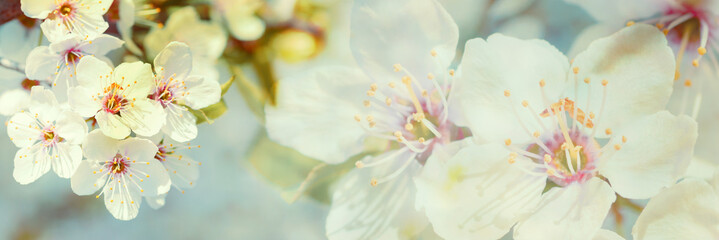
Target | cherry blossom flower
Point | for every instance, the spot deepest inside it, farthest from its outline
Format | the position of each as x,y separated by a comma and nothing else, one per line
687,210
117,98
183,170
46,136
125,170
61,17
570,128
133,12
399,94
58,62
176,90
206,40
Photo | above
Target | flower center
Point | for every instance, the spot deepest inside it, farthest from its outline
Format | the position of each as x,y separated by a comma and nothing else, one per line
72,56
65,10
49,136
113,101
563,164
163,94
118,165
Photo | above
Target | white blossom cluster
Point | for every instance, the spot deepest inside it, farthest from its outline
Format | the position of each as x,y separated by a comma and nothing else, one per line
137,114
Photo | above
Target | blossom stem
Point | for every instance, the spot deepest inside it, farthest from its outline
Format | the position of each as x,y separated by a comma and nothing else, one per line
9,64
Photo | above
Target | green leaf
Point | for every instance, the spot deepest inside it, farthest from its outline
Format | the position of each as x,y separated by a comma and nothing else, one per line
295,174
254,97
226,86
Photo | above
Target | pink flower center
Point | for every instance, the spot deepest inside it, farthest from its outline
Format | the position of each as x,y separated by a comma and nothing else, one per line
113,101
118,165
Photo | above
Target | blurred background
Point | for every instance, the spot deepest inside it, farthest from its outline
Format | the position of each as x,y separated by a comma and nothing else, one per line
246,186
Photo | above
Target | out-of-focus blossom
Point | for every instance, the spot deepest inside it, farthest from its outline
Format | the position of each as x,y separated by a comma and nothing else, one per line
57,63
400,95
175,89
206,40
117,98
687,210
580,126
131,12
125,170
16,41
47,136
240,17
61,17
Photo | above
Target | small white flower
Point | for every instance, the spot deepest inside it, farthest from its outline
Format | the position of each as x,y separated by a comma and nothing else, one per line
58,62
207,40
125,170
175,87
46,137
687,210
117,98
83,17
582,126
183,171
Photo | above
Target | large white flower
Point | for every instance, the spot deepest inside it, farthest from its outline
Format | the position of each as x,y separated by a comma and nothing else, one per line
125,170
687,210
399,95
46,136
176,90
117,98
580,127
83,17
206,40
183,170
57,63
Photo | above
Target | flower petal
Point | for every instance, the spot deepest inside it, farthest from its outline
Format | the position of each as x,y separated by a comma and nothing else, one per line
13,101
174,61
122,202
181,124
98,147
112,125
90,73
37,8
41,64
639,68
245,27
44,104
201,92
101,45
476,194
156,180
315,113
381,29
138,76
687,210
67,158
572,212
23,129
361,211
183,172
156,202
30,164
88,178
71,127
489,68
136,149
656,154
145,118
83,102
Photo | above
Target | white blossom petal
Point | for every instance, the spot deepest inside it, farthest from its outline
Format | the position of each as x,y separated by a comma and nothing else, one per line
639,68
112,125
489,68
30,164
315,113
88,178
572,212
41,64
98,147
174,61
23,129
66,159
201,92
181,124
145,118
37,8
381,31
687,210
477,193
